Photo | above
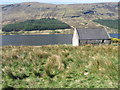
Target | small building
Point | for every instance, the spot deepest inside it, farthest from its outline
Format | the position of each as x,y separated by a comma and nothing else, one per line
90,36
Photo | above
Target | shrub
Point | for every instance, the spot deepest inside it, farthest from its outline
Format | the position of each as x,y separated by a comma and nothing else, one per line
54,65
115,39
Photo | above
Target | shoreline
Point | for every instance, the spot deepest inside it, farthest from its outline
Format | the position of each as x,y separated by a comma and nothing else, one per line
37,32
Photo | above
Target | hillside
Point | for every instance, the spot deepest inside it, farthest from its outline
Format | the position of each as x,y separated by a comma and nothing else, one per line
39,24
77,15
109,23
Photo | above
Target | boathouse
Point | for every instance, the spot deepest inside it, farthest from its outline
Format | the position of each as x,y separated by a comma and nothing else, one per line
90,36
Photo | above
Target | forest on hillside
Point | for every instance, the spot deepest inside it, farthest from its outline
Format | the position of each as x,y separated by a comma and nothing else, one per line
109,23
38,24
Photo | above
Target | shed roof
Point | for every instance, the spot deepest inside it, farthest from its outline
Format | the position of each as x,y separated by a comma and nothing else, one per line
92,34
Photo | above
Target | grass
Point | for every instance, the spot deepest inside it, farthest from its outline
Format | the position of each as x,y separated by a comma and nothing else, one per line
60,66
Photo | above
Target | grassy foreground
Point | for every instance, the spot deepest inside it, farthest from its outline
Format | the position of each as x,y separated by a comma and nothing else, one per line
60,66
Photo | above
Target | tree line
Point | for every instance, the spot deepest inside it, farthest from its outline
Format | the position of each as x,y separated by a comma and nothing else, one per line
39,24
109,23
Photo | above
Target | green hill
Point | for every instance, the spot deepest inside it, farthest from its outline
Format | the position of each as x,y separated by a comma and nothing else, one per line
36,24
77,15
109,23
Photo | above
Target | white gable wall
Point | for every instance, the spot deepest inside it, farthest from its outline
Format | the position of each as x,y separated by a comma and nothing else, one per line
75,39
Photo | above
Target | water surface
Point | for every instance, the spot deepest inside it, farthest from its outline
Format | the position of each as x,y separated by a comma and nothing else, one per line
36,40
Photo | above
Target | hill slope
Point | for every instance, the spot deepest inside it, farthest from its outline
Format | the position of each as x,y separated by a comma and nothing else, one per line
39,24
109,23
77,15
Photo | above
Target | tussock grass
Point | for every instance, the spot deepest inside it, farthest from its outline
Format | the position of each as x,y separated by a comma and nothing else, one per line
54,65
60,66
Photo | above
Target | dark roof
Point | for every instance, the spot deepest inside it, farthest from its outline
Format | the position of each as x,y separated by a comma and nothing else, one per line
92,34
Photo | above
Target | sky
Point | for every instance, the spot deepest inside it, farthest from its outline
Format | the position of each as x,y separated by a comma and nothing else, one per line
56,1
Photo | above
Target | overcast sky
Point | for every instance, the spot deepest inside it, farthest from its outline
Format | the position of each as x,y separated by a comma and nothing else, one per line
56,1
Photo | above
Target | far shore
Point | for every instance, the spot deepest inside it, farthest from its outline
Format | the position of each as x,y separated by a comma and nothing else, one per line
36,32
